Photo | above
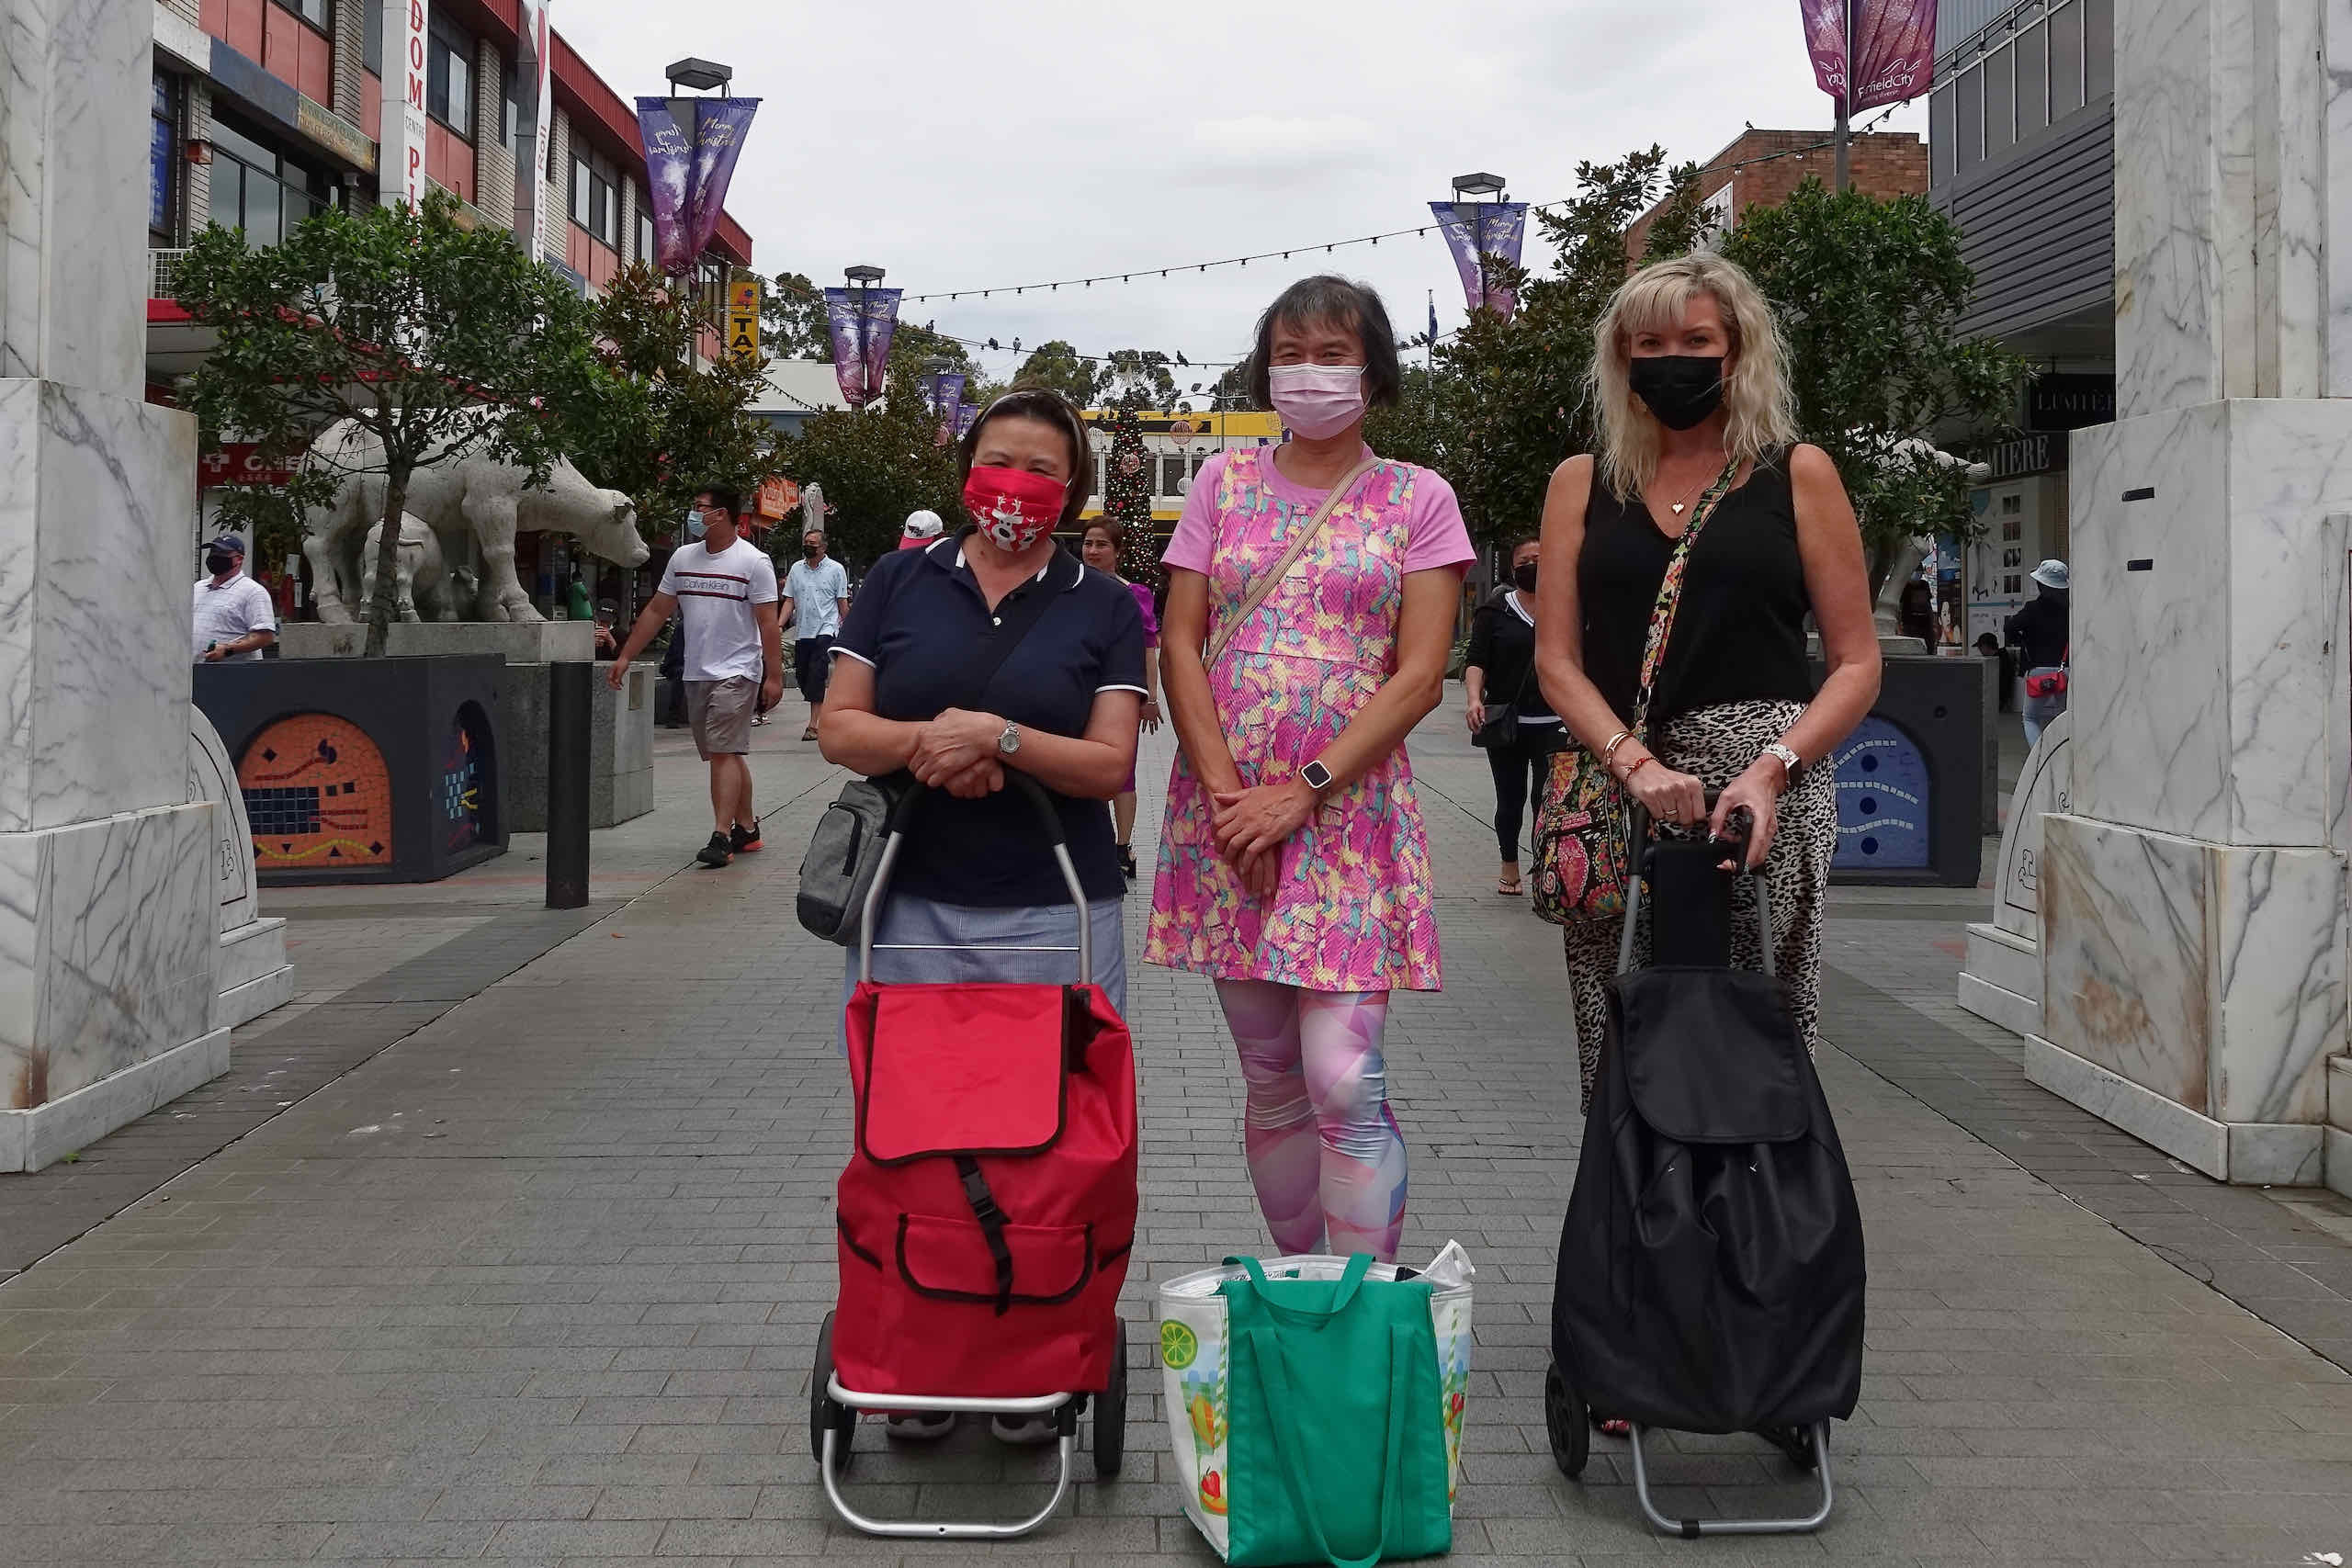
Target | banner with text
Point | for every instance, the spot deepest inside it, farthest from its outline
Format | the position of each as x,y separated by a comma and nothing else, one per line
944,390
744,298
1477,230
861,322
691,146
1892,58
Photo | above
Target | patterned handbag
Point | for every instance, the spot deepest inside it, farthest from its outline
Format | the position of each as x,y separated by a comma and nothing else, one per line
1583,826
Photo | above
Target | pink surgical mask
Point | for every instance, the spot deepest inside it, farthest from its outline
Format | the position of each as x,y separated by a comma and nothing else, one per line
1317,400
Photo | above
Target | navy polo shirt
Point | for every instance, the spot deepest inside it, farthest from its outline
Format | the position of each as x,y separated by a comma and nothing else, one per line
922,622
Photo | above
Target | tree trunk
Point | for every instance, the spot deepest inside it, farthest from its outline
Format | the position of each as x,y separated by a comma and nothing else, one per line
383,604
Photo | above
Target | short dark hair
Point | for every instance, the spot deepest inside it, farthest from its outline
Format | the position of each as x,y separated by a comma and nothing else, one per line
1047,407
1523,541
1328,297
726,496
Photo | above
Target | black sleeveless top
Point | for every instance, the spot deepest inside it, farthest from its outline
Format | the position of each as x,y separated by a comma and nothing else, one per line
1739,633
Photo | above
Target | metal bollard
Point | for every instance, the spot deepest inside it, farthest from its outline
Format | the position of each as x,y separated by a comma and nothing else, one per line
569,715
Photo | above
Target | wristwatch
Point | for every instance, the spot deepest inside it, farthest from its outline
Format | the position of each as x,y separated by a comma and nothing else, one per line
1791,763
1010,741
1318,776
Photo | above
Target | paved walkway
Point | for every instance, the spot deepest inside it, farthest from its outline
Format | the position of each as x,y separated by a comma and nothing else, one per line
540,1281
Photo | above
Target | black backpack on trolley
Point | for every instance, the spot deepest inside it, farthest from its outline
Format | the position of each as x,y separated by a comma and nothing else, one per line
1711,1268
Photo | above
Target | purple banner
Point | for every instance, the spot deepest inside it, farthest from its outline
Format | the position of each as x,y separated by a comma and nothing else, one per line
861,350
965,415
669,176
944,390
688,163
1893,59
1476,229
721,126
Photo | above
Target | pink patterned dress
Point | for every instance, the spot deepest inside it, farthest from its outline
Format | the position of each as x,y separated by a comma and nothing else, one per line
1352,908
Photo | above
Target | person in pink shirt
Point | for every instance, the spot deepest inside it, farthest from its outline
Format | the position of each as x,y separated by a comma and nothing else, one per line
1099,548
1293,870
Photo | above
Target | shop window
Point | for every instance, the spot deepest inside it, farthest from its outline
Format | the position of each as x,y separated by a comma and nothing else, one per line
161,141
262,191
449,77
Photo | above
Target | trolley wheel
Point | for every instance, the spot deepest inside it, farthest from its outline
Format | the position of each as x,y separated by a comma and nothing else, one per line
824,1411
1796,1442
1564,1423
1111,1414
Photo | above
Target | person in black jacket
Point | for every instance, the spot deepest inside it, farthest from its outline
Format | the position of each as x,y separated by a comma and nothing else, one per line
2039,632
1500,679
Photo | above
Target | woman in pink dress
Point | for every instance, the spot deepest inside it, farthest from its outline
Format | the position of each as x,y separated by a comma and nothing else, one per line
1293,870
1099,546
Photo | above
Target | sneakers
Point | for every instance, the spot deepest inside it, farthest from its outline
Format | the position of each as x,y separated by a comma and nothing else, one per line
744,840
1023,1431
717,853
927,1428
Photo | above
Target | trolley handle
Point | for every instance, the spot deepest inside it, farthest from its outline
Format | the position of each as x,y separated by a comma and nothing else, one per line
1641,837
894,840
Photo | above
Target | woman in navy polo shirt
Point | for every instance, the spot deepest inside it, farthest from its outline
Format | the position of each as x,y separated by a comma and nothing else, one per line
1062,706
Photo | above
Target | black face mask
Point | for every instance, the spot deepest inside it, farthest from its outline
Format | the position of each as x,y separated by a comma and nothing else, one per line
219,561
1523,575
811,551
1681,390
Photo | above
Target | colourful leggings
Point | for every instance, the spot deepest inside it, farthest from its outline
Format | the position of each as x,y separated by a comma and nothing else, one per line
1324,1151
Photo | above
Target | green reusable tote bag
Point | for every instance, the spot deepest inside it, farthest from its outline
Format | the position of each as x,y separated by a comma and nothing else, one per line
1337,1438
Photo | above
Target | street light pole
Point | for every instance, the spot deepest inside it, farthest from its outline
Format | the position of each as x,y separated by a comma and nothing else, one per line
1845,133
1475,213
865,276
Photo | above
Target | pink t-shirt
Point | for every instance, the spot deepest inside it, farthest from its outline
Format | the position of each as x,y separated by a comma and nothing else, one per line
1435,535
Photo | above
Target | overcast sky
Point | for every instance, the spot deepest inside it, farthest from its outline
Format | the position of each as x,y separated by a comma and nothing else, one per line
967,145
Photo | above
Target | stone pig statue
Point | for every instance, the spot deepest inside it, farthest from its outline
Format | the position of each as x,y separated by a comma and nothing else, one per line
423,573
476,497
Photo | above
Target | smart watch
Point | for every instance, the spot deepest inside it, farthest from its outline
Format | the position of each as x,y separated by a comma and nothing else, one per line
1318,776
1010,741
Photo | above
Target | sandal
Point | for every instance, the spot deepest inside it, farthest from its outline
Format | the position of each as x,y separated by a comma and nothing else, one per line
1510,890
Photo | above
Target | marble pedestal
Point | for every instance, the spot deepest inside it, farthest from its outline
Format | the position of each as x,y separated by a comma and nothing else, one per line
107,914
2193,901
620,755
518,642
252,975
2000,980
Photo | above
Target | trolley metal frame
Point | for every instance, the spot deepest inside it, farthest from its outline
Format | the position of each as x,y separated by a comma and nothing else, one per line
835,1426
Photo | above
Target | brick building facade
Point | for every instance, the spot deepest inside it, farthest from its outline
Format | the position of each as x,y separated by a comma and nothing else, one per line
1763,168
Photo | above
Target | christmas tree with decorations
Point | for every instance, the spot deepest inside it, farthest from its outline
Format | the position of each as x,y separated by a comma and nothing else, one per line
1126,496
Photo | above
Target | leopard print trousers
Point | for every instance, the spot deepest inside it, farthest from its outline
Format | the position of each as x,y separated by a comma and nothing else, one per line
1716,745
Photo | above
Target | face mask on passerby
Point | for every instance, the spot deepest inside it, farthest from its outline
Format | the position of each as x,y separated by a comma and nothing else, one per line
1681,390
218,562
1522,576
1317,400
696,527
812,551
1013,506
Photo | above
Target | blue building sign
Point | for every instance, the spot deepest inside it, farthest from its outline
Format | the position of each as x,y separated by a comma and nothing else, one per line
1884,800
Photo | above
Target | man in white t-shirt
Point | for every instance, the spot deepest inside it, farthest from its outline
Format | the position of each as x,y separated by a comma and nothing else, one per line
818,589
235,617
724,589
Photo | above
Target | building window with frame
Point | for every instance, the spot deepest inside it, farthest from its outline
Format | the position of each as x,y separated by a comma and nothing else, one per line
162,139
262,191
644,226
595,196
315,12
449,78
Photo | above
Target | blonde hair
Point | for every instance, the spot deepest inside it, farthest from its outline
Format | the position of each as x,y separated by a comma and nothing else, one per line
1762,408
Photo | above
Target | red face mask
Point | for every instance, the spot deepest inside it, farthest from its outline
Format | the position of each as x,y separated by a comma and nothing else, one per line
1013,506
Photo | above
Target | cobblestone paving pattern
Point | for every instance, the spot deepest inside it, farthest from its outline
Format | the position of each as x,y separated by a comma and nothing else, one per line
541,1281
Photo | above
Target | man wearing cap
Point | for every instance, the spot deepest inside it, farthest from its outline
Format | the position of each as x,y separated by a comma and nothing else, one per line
921,528
2040,633
234,616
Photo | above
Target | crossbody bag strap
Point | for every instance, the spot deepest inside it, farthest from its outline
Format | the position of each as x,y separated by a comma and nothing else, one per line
1281,568
1669,596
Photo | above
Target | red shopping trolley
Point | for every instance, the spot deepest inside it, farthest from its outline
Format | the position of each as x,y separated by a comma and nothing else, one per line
987,1209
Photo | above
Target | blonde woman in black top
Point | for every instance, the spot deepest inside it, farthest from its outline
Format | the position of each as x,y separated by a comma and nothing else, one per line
1688,373
1500,678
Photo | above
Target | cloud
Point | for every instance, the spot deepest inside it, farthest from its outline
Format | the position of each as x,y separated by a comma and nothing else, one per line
1263,138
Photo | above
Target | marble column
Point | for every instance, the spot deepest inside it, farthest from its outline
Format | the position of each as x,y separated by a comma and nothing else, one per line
2193,897
108,924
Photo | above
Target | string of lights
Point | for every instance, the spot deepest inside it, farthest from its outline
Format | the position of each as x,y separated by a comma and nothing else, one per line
1191,362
